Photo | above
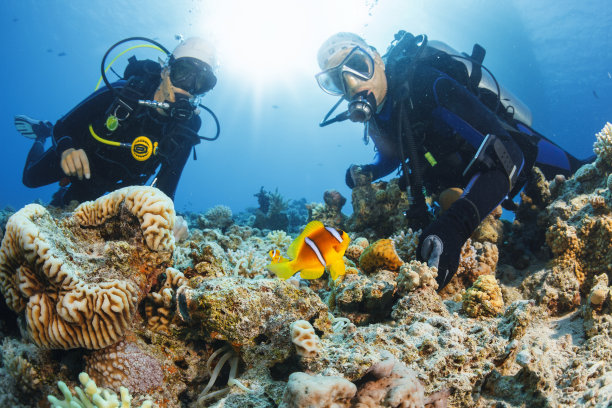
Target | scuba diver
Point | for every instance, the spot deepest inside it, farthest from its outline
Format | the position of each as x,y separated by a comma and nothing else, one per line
121,134
445,122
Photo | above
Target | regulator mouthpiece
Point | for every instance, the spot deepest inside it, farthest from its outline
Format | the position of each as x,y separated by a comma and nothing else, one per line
361,107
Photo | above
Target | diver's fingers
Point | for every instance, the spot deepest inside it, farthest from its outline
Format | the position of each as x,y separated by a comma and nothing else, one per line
70,164
80,162
85,162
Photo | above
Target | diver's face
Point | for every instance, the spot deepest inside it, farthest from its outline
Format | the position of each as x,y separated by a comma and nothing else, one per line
168,92
377,85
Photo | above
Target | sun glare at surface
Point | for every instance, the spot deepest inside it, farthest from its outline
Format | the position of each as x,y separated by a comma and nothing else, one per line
274,40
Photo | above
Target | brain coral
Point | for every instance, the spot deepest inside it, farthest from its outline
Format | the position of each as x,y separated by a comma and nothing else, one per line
154,210
80,287
380,255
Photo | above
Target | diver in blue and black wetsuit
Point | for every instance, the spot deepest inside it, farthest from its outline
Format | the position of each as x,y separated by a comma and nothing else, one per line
126,132
445,121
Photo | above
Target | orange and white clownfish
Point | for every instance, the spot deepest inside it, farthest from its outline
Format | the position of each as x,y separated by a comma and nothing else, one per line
316,248
276,257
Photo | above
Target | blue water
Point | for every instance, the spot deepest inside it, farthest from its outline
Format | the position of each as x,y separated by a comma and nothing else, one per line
555,55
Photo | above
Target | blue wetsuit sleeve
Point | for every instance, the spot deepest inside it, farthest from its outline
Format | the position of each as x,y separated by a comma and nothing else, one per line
383,165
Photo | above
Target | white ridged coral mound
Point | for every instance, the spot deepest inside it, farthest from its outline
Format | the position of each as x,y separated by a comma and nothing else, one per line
62,309
154,209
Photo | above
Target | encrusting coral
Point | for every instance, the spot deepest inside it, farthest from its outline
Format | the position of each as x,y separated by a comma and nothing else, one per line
380,255
75,285
484,298
124,364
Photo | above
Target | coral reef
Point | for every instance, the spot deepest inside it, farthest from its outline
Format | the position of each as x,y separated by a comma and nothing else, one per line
526,321
378,209
272,211
124,364
219,217
484,298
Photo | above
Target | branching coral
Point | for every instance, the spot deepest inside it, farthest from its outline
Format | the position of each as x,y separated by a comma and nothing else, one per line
406,243
219,216
603,145
92,396
279,240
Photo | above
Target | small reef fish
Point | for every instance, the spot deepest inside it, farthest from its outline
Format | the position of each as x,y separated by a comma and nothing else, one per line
276,256
316,248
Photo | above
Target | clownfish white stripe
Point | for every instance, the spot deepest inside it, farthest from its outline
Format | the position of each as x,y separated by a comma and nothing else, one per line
334,232
315,249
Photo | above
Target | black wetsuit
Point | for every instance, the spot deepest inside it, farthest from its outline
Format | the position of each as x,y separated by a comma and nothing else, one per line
448,123
112,166
441,120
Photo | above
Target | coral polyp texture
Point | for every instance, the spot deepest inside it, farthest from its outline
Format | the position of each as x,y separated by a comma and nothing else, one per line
78,280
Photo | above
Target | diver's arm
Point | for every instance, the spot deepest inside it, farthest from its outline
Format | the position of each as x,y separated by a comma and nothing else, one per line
381,166
440,243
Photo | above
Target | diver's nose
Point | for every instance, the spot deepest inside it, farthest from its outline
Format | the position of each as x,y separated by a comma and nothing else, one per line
351,83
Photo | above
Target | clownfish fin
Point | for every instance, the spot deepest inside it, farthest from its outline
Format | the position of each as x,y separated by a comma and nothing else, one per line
312,273
283,270
337,268
297,243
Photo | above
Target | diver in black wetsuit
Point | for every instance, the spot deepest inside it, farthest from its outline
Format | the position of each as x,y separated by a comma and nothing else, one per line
111,140
445,121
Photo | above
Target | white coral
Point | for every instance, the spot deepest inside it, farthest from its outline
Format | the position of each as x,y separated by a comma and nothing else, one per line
406,243
307,343
603,145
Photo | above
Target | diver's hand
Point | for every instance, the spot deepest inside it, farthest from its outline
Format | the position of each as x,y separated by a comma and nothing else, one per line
75,163
441,242
359,175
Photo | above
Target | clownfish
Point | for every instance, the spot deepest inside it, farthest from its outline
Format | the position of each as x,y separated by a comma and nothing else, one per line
316,248
276,257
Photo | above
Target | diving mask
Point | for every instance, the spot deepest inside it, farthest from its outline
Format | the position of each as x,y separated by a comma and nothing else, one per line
192,75
358,63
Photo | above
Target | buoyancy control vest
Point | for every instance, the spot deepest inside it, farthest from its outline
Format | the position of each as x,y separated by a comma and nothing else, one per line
401,60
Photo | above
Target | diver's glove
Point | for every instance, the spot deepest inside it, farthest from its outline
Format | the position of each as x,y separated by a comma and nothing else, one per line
440,243
359,175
